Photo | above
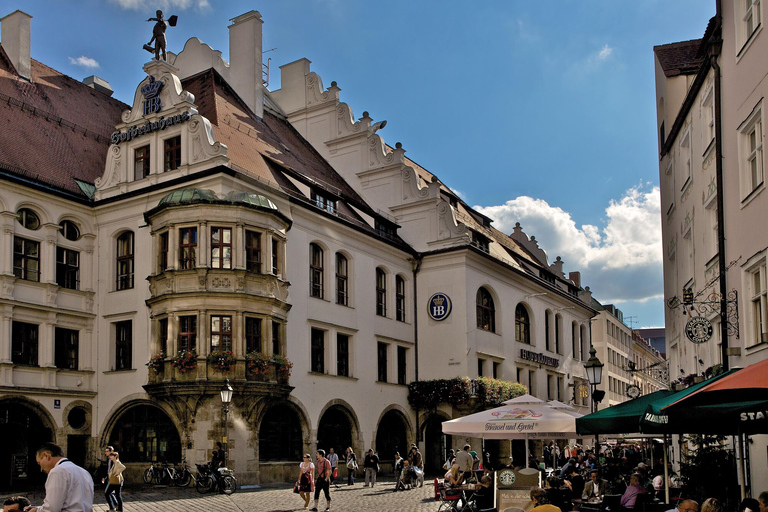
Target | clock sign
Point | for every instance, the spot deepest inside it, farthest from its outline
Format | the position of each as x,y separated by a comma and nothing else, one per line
506,477
633,391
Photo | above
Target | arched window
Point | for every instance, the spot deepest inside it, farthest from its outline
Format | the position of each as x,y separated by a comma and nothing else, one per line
522,325
575,345
125,261
342,277
400,298
486,312
547,334
315,271
381,292
280,434
558,333
29,219
145,433
69,229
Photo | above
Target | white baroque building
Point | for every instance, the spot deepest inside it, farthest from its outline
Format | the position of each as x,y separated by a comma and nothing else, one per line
710,117
144,242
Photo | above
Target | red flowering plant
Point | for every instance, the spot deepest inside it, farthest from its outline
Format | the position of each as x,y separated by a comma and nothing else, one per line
282,367
185,361
222,360
257,363
157,363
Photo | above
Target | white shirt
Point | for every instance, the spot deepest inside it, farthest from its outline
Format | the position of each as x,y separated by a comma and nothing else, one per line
69,488
333,458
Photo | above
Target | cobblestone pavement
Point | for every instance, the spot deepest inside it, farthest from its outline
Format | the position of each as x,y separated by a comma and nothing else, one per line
380,498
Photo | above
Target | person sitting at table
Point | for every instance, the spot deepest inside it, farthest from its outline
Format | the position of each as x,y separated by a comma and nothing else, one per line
596,488
712,505
559,497
687,506
634,489
541,502
575,483
453,477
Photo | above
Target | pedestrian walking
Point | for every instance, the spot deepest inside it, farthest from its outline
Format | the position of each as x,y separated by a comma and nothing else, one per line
417,462
107,493
333,458
371,465
115,475
306,479
322,483
351,466
68,488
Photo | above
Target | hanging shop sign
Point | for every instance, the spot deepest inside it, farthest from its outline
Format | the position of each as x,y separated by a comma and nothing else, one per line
539,358
698,329
439,306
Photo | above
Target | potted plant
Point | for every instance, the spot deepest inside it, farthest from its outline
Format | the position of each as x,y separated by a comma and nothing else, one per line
257,363
222,361
157,363
282,367
185,361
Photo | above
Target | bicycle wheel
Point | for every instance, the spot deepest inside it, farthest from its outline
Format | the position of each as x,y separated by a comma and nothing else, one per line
149,475
204,484
184,479
230,484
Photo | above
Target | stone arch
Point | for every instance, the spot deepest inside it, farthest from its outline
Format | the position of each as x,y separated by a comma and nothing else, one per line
394,432
436,444
337,427
86,228
278,437
42,213
132,441
29,425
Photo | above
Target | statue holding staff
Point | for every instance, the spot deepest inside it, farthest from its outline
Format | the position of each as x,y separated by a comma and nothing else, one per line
158,34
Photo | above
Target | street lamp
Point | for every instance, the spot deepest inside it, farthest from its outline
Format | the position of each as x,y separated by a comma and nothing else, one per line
595,375
226,398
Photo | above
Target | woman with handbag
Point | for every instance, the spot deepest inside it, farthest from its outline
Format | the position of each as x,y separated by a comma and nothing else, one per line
351,466
305,485
115,498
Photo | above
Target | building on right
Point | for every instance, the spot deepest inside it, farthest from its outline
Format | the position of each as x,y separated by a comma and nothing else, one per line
711,106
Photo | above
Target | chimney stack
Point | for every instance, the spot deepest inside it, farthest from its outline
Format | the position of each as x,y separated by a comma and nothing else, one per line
245,60
15,30
98,84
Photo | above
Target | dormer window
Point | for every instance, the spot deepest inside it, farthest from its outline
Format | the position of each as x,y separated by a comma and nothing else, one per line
324,202
384,229
480,242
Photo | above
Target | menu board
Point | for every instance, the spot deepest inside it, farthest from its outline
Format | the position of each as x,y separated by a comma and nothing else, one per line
19,467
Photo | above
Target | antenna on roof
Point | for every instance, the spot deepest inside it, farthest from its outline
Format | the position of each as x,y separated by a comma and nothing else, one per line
265,67
631,321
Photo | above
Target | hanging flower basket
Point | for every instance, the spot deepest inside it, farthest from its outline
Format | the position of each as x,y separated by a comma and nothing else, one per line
257,363
185,361
157,363
222,361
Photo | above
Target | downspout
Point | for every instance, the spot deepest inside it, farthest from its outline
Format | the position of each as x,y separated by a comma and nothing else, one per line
415,268
715,47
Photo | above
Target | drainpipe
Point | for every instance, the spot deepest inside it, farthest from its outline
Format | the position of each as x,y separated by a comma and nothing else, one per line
416,266
715,47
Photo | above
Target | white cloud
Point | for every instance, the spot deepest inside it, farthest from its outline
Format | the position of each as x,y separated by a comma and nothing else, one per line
84,61
605,52
163,5
622,261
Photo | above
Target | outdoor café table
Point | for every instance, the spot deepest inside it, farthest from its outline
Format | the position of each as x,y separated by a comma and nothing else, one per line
588,505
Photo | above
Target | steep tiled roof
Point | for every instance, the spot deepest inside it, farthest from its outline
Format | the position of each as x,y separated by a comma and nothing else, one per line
55,129
683,58
271,150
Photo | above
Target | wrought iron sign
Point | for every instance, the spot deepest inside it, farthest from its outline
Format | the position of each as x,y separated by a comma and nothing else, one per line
710,305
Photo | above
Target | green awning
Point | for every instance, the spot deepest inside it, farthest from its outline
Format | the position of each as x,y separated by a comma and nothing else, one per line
623,418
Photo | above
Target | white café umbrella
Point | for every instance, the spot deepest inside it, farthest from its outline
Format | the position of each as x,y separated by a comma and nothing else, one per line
523,417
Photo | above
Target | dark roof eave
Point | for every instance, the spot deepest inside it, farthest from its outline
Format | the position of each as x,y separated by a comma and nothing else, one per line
45,188
690,99
507,266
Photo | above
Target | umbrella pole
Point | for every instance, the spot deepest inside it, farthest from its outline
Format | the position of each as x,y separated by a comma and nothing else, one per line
741,466
666,471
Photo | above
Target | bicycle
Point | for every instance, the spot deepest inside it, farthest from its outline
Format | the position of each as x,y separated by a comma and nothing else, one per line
207,482
150,475
183,476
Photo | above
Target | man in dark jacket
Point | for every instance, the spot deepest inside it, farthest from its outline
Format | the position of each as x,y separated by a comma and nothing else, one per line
371,465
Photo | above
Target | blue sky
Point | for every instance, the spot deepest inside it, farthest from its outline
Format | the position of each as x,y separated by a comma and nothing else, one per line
535,112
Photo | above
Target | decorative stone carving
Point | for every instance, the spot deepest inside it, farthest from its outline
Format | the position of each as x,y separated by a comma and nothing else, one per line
378,152
411,189
448,227
221,282
112,175
346,123
315,93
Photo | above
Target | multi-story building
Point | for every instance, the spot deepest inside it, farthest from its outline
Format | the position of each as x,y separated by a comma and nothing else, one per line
647,366
214,229
710,116
612,340
657,337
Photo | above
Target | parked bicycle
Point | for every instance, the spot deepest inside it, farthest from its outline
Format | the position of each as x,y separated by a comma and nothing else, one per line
183,475
207,481
150,475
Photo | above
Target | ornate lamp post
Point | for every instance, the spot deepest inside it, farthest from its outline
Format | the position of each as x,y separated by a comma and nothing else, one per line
595,375
226,398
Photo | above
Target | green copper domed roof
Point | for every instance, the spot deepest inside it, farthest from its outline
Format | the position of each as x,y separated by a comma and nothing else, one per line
250,198
189,195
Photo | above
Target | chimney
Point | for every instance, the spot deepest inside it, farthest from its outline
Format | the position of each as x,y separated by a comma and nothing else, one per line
245,60
576,278
98,84
15,31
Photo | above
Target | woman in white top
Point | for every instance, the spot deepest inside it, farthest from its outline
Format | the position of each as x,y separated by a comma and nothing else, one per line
306,479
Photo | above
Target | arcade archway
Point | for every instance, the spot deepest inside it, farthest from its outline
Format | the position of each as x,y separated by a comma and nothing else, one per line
24,428
392,436
335,430
144,433
280,437
436,444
